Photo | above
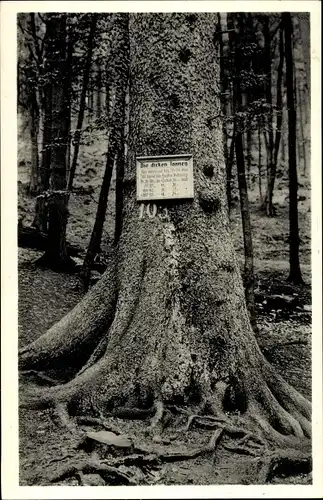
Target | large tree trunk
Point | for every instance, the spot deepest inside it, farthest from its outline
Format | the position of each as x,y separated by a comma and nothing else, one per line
181,331
295,274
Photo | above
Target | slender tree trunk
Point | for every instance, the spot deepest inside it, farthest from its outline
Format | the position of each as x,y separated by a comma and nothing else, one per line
34,134
40,221
232,109
224,88
295,271
260,165
283,143
229,167
120,169
90,98
116,144
98,91
249,151
70,48
304,28
85,82
300,120
243,189
279,121
55,255
270,150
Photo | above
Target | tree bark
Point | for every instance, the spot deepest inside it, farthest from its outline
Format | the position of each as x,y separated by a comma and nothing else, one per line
243,189
40,221
304,28
34,134
260,165
55,255
181,331
224,88
120,169
229,167
69,76
295,270
116,143
98,90
279,121
85,82
269,122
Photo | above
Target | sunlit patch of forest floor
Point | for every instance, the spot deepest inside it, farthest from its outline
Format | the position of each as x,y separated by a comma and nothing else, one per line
284,318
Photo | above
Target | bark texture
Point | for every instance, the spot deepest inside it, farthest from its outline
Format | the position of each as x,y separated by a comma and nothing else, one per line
181,331
295,274
120,71
55,255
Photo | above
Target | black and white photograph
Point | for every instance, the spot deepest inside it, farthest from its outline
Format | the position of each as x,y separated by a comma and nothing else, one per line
164,166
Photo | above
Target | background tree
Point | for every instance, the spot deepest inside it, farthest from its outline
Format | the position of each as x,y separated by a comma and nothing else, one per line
85,82
241,65
168,321
119,69
55,255
295,271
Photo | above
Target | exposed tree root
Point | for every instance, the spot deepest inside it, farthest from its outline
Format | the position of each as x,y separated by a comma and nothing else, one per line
62,265
157,418
284,463
234,431
41,376
61,413
69,341
108,469
87,420
92,465
244,450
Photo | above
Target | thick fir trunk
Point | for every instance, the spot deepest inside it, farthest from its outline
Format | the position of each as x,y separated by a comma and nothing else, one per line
295,270
181,330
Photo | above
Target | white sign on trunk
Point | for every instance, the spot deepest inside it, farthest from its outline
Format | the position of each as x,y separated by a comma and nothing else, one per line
164,177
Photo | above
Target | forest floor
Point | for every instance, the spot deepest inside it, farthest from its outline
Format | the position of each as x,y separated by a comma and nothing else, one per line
284,318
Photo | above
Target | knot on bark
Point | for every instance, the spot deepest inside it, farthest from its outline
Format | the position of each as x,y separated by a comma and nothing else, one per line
208,201
208,171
